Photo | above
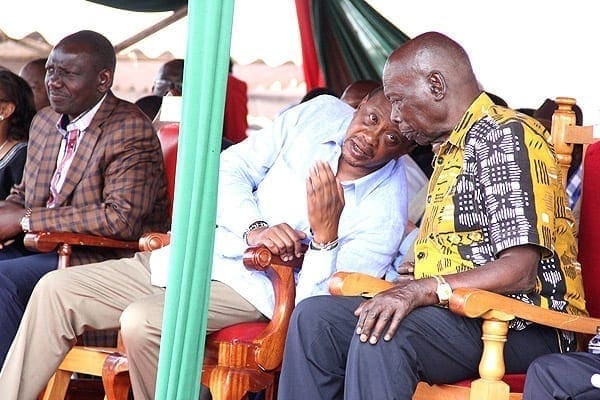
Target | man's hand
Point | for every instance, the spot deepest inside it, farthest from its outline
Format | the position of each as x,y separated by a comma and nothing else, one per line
406,271
325,200
386,310
10,220
280,239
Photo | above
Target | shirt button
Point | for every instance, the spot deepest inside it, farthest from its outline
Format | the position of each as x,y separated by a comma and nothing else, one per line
420,255
440,160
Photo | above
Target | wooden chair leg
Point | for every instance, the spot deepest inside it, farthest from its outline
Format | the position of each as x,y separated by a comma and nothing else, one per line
115,377
235,383
491,368
57,386
270,392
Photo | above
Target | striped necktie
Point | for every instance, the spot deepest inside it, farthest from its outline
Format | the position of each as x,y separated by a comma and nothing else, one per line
62,168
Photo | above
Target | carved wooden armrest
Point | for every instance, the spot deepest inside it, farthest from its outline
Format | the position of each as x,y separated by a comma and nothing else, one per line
153,241
269,344
62,242
49,241
475,303
472,303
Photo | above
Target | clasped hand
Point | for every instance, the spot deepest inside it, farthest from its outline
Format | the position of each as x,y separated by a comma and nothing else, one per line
280,239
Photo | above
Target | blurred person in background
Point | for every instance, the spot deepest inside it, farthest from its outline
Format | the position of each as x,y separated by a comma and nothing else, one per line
34,73
17,109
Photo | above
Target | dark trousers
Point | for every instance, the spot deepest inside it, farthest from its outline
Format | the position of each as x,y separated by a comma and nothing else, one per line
562,377
325,360
20,270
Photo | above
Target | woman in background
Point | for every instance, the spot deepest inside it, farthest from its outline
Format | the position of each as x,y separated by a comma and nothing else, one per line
17,109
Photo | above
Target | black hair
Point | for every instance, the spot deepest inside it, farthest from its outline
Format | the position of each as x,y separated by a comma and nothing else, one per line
17,91
101,50
318,91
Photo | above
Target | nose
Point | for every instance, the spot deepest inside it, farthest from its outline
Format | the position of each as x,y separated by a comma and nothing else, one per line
52,79
396,116
372,137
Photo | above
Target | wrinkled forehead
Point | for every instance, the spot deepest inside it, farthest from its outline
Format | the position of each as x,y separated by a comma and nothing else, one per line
73,54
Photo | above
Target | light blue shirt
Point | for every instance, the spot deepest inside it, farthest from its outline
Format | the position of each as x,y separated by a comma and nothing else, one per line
264,178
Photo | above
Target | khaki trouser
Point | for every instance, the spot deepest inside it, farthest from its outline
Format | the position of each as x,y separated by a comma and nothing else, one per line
104,295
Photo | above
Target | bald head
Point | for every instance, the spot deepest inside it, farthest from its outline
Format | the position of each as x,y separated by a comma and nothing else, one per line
169,78
34,73
431,83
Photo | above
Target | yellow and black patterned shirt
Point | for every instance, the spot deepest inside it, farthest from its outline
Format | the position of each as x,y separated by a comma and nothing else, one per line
496,185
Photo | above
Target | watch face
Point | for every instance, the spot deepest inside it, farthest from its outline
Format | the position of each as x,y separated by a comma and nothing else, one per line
444,292
25,226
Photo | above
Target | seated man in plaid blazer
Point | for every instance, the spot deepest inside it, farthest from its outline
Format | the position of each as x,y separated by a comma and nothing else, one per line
94,165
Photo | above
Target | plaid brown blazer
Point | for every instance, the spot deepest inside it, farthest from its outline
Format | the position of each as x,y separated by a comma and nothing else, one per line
114,187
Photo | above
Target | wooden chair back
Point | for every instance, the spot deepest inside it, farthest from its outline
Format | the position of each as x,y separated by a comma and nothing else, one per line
565,133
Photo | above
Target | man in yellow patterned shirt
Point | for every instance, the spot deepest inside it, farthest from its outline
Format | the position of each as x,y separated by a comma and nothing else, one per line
496,218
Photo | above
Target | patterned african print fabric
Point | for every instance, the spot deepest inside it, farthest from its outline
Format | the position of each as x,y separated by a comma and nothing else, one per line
496,185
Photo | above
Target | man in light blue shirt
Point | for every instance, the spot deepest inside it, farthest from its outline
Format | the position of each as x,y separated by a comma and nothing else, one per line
323,174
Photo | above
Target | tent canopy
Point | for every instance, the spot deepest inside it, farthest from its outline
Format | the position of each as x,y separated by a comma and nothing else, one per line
143,5
342,41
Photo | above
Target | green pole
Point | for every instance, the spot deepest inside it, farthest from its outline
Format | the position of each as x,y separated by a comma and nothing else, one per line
186,301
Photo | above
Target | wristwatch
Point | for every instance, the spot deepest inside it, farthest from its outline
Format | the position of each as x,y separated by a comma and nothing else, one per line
443,291
25,221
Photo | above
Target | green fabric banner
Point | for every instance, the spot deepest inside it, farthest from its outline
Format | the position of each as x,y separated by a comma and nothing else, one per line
194,219
143,5
353,41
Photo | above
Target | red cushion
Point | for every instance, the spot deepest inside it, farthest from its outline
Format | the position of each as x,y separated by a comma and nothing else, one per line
515,382
589,229
244,332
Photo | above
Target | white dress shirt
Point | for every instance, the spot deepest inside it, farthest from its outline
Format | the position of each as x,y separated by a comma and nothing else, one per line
264,178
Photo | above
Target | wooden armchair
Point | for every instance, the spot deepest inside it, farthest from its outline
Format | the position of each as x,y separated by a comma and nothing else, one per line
496,310
238,359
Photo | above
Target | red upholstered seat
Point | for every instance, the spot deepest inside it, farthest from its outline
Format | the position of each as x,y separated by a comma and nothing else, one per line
514,381
589,231
244,332
169,135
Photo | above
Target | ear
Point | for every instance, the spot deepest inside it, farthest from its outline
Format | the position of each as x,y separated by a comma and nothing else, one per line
437,85
105,79
7,108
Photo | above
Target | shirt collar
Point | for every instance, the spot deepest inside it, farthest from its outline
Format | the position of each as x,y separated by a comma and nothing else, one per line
476,111
81,122
362,187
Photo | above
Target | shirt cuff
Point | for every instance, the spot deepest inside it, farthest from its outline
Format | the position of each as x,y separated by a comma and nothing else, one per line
317,268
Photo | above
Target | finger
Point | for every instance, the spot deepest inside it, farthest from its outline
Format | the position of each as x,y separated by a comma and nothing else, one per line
286,239
366,320
392,327
382,321
325,172
296,236
340,193
361,312
407,267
